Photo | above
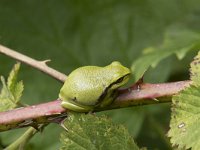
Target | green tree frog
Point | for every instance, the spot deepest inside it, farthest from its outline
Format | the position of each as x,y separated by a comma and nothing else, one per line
90,87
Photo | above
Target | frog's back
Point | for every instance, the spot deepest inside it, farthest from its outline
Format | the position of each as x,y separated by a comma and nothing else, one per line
81,81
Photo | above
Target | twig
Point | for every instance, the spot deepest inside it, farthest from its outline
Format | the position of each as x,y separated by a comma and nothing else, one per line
31,116
148,94
21,142
40,65
51,111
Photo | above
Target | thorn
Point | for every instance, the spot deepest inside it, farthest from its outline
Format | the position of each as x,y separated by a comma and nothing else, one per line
138,87
62,125
45,61
137,84
155,99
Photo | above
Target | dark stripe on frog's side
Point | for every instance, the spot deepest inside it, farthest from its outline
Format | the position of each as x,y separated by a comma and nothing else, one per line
114,94
101,97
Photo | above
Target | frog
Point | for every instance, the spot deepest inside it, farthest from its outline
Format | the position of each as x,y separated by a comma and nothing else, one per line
90,88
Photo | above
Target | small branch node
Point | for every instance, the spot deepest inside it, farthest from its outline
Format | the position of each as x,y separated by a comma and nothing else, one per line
40,65
45,61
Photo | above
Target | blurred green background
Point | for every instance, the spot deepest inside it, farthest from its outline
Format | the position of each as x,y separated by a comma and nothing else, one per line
74,33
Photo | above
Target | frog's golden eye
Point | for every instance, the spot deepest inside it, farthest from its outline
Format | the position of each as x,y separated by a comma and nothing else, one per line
120,80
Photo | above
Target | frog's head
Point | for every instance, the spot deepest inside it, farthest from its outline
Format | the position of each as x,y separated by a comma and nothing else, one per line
120,74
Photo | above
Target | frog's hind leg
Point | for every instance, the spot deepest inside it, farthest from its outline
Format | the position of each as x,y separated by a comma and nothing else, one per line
75,107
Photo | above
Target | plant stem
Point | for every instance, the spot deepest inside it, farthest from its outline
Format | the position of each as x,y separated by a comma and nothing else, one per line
53,112
138,94
31,115
40,65
147,93
22,140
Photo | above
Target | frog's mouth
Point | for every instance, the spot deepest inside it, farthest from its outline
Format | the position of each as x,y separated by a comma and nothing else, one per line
71,105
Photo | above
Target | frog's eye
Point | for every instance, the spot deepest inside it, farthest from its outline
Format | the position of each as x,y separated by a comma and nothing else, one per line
120,80
123,79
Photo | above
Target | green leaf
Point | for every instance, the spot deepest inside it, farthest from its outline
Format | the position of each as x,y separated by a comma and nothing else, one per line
15,87
195,70
185,118
11,91
95,133
101,31
176,41
12,78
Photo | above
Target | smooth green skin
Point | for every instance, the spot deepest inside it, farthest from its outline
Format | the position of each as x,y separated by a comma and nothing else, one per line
90,87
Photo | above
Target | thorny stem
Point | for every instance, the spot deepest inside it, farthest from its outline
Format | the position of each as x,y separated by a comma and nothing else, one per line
40,65
32,115
42,114
51,111
146,93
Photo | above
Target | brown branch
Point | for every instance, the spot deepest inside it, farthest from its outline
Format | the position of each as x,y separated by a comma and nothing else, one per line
53,112
40,65
142,94
148,93
31,116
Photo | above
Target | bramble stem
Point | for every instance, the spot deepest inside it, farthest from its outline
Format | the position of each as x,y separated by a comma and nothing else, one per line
53,112
40,65
141,94
31,115
148,93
